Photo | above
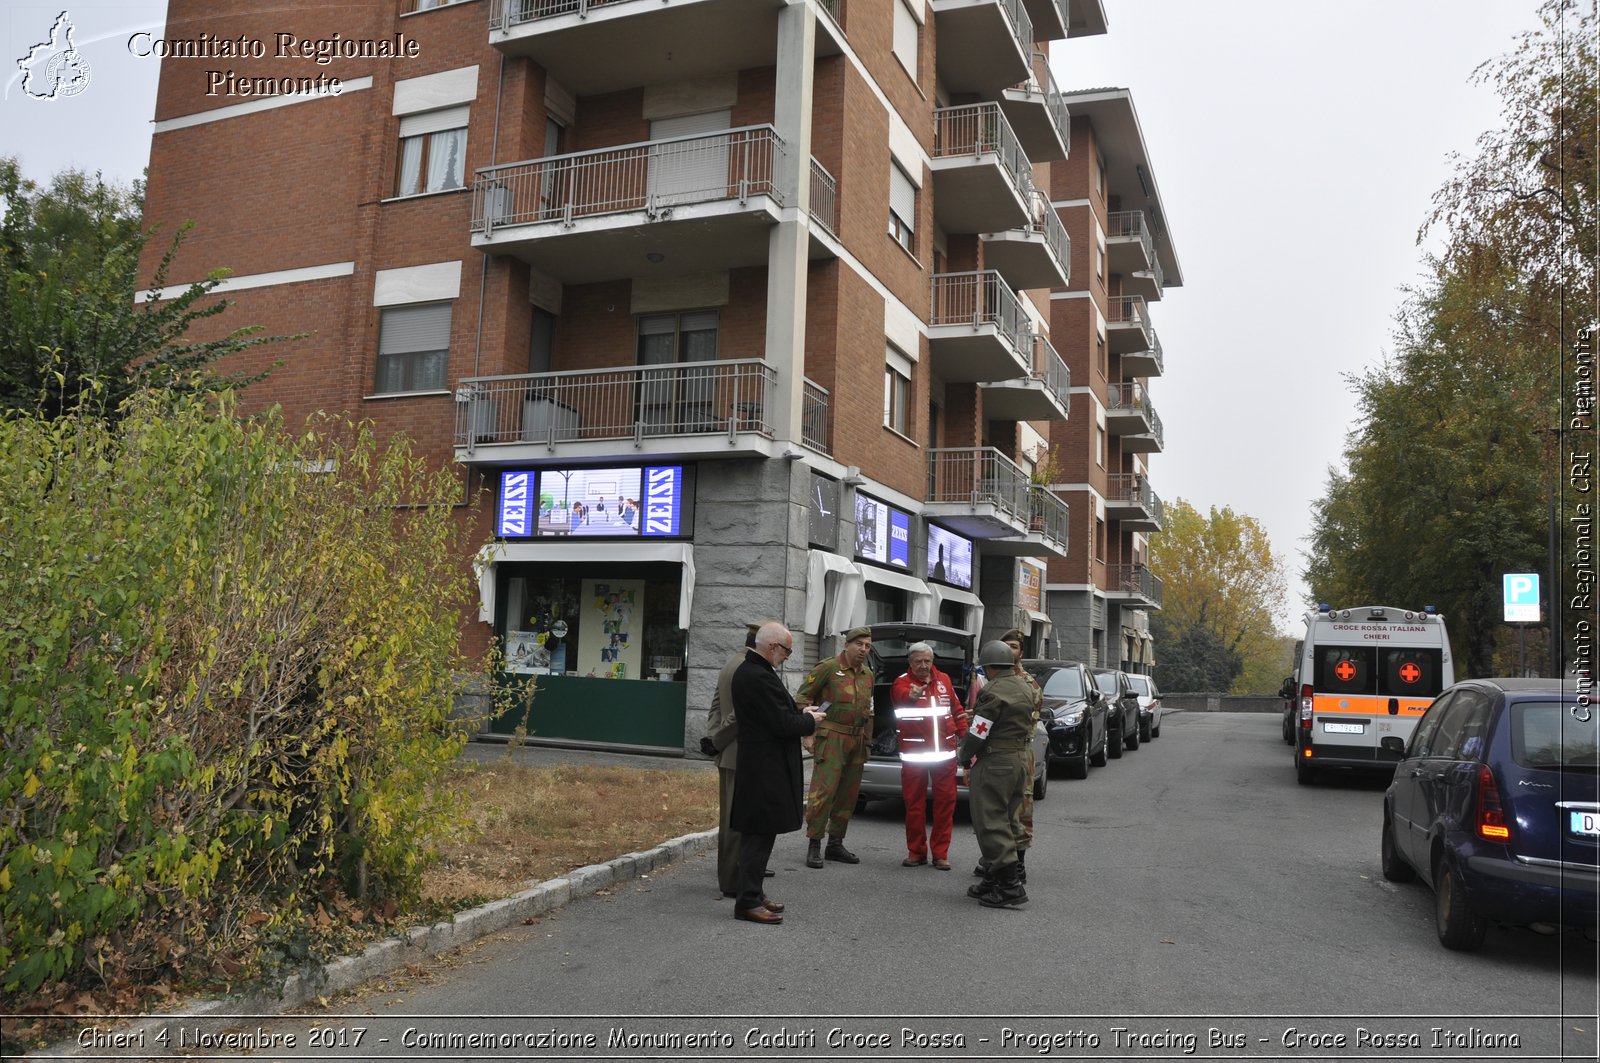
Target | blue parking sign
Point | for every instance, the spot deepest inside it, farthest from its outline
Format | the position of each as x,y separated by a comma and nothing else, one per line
1522,597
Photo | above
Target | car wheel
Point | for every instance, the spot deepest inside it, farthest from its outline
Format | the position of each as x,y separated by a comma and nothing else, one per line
1395,869
1304,774
1460,928
1288,730
1155,729
1079,768
1114,743
1132,739
1098,757
1146,732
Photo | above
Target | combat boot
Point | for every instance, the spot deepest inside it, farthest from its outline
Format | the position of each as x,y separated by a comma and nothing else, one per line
1008,891
982,870
814,853
986,886
837,851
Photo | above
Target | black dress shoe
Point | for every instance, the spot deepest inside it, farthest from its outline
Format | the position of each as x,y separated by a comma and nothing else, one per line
837,851
771,905
758,915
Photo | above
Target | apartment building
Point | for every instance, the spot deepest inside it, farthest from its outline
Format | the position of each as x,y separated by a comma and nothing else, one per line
722,310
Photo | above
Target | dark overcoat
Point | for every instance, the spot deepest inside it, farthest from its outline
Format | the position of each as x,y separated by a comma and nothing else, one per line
767,788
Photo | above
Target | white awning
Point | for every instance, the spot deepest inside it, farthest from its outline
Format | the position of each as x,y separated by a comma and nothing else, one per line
586,553
921,597
846,588
1040,620
942,594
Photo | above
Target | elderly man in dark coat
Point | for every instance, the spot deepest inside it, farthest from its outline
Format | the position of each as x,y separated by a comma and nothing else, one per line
767,787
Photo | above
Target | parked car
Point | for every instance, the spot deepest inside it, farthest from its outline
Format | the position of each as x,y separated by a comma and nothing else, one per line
1149,705
1122,706
1074,715
953,654
1495,805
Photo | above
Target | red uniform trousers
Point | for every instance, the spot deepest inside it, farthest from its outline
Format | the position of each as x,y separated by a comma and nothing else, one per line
914,788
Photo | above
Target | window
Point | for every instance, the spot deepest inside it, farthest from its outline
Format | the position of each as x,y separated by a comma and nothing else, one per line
905,38
678,400
1100,175
1099,259
896,390
433,151
902,208
1099,539
413,348
1100,446
1101,361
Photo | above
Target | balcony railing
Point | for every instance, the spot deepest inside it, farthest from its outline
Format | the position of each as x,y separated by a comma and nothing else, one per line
975,476
816,424
1130,223
1154,357
508,13
1048,515
1133,397
1131,488
981,298
653,176
824,198
1043,83
1133,581
1047,223
977,129
619,403
1052,371
1127,310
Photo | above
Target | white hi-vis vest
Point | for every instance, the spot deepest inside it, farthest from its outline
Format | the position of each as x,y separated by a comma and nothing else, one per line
926,728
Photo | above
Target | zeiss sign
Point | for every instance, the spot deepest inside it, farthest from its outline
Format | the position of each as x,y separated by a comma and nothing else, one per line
631,502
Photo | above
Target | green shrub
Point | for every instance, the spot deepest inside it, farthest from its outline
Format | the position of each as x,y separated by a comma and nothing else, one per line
226,672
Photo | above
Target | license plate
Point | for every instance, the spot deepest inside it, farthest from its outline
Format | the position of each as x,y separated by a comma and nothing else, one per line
1585,823
1343,728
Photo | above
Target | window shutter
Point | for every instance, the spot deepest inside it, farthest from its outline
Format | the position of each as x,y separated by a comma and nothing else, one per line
415,125
902,196
409,329
905,37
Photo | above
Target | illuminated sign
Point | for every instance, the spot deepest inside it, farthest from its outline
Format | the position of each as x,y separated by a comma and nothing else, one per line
1030,587
883,533
949,558
1521,597
629,502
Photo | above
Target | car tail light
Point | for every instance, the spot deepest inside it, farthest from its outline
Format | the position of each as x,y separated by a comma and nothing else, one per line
1491,813
1307,704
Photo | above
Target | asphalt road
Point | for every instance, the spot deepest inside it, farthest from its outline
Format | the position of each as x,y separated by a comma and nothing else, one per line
1191,896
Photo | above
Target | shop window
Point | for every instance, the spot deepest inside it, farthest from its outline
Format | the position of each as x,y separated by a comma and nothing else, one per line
413,348
885,605
433,151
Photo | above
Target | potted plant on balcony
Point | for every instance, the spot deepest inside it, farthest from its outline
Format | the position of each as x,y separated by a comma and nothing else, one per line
1046,471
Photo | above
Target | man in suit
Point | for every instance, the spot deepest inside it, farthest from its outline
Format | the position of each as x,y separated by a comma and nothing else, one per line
721,744
767,797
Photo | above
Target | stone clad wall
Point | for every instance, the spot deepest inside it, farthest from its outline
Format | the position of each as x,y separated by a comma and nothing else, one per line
1222,702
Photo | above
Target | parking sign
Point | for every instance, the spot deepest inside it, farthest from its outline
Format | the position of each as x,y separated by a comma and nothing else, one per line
1522,597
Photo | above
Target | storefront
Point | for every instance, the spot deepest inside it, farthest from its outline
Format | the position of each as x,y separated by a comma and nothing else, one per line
589,589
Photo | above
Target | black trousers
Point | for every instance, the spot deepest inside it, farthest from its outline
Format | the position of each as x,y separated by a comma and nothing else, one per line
754,852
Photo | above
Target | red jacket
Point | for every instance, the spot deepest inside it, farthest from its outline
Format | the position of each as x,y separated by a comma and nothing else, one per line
928,727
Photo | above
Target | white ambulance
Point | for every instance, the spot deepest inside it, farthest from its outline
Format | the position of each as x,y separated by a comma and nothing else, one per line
1363,674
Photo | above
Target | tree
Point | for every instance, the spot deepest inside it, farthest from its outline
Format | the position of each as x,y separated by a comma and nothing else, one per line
1222,588
71,328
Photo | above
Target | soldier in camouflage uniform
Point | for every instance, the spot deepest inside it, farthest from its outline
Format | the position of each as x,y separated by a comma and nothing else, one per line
842,687
1000,736
1013,639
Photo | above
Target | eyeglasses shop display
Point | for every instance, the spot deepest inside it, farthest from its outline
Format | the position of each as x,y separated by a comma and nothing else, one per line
620,502
883,533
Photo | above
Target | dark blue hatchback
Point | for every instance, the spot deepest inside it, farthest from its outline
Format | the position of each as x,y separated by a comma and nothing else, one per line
1495,804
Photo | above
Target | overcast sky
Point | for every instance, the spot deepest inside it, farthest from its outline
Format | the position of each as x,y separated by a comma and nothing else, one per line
1296,147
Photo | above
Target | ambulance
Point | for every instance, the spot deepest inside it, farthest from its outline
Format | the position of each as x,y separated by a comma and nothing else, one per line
1364,674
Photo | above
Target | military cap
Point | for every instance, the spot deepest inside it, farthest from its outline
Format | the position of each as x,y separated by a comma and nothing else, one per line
858,633
1014,635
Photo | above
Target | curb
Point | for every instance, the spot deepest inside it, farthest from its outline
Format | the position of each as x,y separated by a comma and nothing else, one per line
382,957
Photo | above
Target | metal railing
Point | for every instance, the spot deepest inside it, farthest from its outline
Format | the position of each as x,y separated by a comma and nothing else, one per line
1127,310
654,176
1134,397
978,129
1043,83
975,476
816,423
1051,370
1134,580
1048,515
617,403
1134,488
1047,223
508,13
824,198
981,298
1155,353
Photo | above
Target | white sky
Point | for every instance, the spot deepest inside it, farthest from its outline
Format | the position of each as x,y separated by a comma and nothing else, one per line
1296,146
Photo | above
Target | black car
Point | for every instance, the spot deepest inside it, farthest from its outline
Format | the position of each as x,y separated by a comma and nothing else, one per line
1122,706
1495,805
1074,714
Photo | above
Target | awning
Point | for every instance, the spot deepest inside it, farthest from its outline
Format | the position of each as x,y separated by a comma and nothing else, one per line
921,597
1040,620
587,553
846,588
1147,649
942,594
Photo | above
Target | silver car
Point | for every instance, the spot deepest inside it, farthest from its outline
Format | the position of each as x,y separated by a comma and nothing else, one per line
952,655
1149,705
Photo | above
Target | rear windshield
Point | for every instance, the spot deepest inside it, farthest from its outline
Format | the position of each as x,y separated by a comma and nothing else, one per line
1063,683
1545,734
1397,672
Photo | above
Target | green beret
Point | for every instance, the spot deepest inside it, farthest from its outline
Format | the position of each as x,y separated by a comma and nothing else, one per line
1014,635
858,633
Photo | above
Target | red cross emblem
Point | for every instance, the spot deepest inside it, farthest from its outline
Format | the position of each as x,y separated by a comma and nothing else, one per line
980,726
1410,672
1345,671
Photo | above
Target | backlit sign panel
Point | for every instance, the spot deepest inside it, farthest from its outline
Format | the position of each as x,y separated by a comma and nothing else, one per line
883,533
627,502
949,558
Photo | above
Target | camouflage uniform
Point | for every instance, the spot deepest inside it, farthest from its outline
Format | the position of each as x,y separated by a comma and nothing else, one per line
842,739
1025,817
998,779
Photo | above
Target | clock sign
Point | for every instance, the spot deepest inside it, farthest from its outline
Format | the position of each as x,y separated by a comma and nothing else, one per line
824,512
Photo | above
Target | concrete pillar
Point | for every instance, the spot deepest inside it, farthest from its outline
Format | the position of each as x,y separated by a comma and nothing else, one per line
789,245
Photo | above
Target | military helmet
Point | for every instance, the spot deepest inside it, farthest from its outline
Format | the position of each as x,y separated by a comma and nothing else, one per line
995,652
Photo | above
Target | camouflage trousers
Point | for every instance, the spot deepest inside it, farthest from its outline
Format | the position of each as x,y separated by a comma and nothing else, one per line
835,783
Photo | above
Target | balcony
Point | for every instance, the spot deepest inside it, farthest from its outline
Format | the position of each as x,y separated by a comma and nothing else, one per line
977,329
1037,255
1131,251
824,199
1130,416
691,409
686,204
995,38
1050,18
578,41
1042,395
1133,583
1130,500
1149,362
1038,112
980,493
1128,324
982,180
